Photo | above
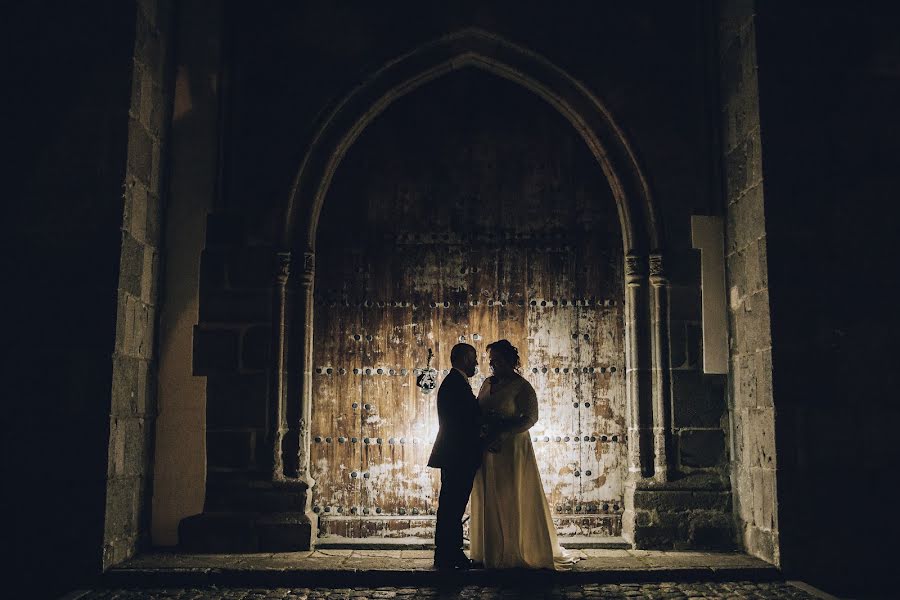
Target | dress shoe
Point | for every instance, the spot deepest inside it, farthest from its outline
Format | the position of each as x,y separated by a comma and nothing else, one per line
459,563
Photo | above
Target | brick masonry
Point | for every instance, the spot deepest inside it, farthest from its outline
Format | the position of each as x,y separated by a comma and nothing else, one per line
133,405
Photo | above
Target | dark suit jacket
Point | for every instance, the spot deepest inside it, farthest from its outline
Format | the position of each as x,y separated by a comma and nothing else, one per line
458,443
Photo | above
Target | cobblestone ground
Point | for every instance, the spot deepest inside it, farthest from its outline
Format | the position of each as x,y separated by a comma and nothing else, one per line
735,589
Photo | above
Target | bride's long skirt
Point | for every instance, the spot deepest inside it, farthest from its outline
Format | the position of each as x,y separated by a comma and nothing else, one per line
510,523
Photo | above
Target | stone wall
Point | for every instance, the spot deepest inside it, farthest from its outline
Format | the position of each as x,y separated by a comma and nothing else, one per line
180,457
750,399
290,66
133,408
231,349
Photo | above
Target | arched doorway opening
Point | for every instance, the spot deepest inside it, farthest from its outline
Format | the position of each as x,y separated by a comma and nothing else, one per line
645,317
468,211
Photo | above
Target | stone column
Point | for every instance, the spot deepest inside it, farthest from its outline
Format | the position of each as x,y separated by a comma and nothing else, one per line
306,348
662,397
637,370
278,409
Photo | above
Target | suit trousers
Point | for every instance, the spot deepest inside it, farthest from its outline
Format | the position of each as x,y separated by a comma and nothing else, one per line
456,486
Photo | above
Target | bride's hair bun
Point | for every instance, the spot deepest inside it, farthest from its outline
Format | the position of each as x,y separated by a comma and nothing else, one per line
508,351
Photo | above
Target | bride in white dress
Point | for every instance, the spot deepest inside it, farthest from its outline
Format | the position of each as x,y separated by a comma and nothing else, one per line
510,523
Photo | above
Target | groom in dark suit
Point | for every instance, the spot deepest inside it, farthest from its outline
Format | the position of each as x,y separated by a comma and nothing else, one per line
457,453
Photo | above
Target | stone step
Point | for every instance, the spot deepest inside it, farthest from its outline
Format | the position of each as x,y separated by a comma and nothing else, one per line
419,543
242,532
283,574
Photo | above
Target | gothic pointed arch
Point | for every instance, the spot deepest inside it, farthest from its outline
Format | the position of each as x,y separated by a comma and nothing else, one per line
472,48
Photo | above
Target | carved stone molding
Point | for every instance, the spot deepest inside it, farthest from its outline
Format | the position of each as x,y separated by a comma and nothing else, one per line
635,270
658,274
283,268
309,268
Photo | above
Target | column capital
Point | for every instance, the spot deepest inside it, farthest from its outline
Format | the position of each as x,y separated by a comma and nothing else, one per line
309,268
635,269
658,275
282,267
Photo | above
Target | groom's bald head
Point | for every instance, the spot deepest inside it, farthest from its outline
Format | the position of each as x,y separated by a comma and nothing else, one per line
465,358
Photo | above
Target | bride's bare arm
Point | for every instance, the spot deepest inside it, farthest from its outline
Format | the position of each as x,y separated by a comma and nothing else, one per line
527,408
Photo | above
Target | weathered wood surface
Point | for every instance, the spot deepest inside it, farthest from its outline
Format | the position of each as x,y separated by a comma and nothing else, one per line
376,316
472,211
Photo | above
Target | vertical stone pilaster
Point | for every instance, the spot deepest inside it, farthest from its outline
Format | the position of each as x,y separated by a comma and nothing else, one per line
636,381
306,285
279,377
660,347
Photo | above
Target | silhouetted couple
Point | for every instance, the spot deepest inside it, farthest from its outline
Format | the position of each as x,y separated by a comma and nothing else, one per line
483,449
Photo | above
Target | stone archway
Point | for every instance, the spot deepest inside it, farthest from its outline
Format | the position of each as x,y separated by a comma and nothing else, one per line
646,285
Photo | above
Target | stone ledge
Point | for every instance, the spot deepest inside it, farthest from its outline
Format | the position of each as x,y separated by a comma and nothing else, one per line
241,532
414,568
701,481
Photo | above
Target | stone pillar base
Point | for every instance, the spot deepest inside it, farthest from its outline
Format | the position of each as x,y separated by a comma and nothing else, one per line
251,517
693,513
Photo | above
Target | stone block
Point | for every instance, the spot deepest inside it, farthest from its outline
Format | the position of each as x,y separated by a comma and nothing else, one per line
758,542
669,501
140,152
150,277
218,532
701,448
655,537
144,107
148,47
224,229
685,350
131,387
743,377
154,219
215,350
711,530
131,265
746,270
155,167
122,503
284,532
764,397
236,400
158,111
764,500
136,87
256,346
699,400
128,448
745,220
134,221
263,499
759,437
235,307
135,322
750,324
136,447
251,268
230,449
